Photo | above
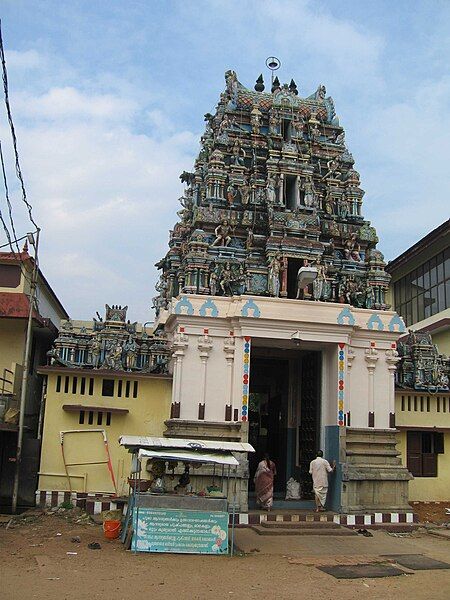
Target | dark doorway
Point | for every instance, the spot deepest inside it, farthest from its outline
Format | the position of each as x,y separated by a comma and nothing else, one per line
268,404
284,414
294,265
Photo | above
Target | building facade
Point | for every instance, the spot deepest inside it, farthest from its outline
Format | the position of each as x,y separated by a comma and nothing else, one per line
420,291
105,378
273,299
15,277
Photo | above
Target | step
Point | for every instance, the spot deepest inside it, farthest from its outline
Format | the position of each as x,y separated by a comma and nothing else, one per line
312,530
299,524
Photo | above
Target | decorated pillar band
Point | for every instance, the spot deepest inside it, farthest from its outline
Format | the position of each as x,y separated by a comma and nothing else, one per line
341,383
245,379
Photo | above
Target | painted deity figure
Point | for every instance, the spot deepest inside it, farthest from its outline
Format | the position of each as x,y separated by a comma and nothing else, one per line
223,234
162,287
340,137
343,207
314,132
244,191
271,193
310,195
238,154
242,279
274,125
274,276
321,93
226,280
250,239
213,281
130,349
319,281
298,124
223,125
328,204
96,347
370,296
231,194
333,168
255,119
232,85
253,189
113,358
352,249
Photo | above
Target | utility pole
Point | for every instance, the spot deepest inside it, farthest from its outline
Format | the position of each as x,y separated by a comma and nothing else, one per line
26,366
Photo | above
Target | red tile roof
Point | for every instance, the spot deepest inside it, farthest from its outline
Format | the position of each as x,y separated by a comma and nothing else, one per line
15,306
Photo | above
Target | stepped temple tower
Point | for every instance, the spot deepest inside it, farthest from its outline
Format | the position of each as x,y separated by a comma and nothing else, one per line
272,298
273,188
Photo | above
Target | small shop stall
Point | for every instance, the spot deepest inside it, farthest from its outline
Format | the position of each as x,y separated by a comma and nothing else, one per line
183,503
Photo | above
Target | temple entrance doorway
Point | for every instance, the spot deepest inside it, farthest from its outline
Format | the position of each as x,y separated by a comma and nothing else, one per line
284,415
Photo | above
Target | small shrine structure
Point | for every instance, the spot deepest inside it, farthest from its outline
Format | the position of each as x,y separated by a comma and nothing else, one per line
422,367
112,343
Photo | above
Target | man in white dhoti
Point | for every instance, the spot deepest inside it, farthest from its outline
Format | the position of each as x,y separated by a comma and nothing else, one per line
319,469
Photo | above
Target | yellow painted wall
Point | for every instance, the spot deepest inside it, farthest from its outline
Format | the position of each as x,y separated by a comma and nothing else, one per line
428,489
146,416
12,339
442,340
411,409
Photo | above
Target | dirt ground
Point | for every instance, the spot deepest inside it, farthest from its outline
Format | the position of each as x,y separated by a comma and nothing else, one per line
35,563
432,512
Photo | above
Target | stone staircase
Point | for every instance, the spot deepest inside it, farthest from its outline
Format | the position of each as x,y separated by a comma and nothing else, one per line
302,528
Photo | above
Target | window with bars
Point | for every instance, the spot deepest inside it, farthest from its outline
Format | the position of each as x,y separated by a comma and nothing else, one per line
422,449
101,418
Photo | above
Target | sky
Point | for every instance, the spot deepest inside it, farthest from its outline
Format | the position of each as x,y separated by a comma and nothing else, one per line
108,98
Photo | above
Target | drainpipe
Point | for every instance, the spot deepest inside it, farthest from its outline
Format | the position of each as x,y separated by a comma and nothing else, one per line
42,408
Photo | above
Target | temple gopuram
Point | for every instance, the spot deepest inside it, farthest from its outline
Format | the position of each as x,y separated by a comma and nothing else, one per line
272,300
273,190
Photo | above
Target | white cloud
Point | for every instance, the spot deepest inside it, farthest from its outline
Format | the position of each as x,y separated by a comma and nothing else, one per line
409,178
27,59
106,198
71,103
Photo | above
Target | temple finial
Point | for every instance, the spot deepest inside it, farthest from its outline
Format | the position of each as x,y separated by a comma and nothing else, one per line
275,85
293,87
259,86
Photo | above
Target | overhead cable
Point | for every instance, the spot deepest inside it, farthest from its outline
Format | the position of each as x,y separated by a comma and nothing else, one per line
8,202
13,132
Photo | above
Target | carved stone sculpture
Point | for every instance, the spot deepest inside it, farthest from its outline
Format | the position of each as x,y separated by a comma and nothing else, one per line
130,350
96,347
274,276
223,234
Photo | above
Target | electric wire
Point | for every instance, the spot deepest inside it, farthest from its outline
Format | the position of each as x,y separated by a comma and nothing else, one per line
8,202
18,169
13,131
24,237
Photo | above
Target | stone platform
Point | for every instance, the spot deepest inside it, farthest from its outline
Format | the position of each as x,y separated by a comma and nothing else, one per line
370,519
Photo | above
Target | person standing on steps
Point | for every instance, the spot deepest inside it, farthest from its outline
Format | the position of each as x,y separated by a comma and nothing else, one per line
263,479
319,469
